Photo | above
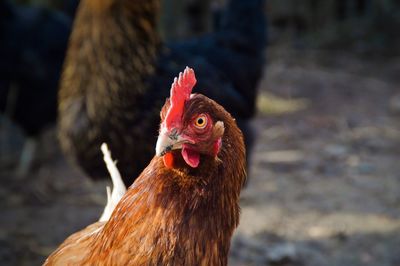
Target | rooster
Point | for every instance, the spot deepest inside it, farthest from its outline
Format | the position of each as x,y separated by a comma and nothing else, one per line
117,69
183,208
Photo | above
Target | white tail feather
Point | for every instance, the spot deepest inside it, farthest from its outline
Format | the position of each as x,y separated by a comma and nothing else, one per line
119,188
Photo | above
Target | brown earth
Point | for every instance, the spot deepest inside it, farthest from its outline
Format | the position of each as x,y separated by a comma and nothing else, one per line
324,183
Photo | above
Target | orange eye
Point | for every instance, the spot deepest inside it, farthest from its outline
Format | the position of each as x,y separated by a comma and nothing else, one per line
201,121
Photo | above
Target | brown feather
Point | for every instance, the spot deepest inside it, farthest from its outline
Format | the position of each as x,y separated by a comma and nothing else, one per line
103,86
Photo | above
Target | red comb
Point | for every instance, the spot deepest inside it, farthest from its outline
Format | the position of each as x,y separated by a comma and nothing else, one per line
180,92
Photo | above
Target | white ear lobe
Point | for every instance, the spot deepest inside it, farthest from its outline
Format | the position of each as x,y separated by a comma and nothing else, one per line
219,128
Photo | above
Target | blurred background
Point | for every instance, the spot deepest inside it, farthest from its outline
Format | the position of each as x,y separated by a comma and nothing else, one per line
324,179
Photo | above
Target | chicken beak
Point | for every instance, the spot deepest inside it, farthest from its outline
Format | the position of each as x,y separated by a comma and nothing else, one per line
168,141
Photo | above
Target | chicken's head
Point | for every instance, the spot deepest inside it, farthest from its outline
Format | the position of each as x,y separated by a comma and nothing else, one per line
190,123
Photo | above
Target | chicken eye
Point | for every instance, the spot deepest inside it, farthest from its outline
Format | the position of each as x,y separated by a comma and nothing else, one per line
201,121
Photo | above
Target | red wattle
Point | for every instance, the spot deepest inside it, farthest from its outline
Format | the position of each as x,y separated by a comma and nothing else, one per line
168,159
191,157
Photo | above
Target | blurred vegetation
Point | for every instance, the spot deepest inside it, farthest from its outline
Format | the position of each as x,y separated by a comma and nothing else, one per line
361,25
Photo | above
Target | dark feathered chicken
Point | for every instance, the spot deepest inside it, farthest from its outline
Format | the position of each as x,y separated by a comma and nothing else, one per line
117,71
33,41
183,208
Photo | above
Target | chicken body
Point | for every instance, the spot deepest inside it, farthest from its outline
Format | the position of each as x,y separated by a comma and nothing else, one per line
176,214
117,73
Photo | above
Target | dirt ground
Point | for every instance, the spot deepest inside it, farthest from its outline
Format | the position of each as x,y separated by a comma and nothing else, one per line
324,182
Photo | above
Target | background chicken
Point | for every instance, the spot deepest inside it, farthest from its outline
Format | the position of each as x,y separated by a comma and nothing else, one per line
117,73
183,208
33,41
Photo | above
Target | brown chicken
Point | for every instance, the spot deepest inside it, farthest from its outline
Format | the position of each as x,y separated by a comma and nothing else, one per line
183,208
117,75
